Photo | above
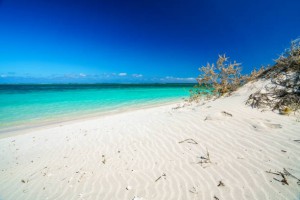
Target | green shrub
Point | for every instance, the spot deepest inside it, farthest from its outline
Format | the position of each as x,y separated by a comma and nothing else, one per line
218,79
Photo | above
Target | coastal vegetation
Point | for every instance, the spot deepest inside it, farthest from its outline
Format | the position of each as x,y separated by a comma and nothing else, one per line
281,90
221,79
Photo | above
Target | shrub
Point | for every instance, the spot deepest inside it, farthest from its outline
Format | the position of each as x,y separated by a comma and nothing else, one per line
283,93
218,79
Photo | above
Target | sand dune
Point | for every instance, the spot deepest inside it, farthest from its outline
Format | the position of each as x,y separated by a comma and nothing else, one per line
217,150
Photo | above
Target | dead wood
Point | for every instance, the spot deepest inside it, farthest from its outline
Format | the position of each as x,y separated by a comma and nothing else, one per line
191,141
221,184
226,113
204,160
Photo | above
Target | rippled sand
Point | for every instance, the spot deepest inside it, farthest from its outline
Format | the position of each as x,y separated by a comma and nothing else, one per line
219,150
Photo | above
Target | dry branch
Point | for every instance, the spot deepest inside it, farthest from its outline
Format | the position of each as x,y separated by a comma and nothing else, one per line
191,141
287,173
216,198
221,184
283,175
226,113
163,175
204,160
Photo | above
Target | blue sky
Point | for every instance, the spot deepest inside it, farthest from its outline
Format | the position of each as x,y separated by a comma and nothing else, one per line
138,40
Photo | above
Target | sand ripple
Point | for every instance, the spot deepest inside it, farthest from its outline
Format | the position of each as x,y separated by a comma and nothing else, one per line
140,155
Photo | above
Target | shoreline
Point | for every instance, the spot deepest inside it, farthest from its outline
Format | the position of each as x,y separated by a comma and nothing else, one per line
220,148
62,121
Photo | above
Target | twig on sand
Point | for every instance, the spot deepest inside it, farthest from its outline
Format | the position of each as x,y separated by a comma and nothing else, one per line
221,184
287,173
192,141
216,198
283,180
205,159
283,175
297,141
104,160
270,172
226,113
163,175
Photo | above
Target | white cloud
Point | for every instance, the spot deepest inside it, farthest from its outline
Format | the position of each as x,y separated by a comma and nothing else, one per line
82,75
123,74
69,75
137,75
178,79
3,75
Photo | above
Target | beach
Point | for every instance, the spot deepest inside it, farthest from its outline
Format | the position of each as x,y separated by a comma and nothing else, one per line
31,105
220,149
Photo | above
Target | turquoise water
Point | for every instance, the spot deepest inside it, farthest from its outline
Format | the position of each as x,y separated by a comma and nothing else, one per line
23,104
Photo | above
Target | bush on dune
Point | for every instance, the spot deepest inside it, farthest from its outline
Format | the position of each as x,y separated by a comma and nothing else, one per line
283,91
222,78
281,94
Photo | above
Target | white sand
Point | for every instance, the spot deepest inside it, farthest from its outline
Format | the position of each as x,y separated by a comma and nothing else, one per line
122,156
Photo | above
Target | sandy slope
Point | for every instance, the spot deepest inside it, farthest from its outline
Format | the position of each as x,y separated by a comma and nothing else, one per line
122,156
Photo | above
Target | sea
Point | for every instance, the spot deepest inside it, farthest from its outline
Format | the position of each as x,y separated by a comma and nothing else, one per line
30,104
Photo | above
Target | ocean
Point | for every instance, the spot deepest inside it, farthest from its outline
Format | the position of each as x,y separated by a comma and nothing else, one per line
35,104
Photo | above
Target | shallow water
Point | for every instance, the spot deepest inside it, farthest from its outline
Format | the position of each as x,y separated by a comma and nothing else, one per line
23,104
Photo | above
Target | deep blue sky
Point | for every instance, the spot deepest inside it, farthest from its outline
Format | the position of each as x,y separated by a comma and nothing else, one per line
138,40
